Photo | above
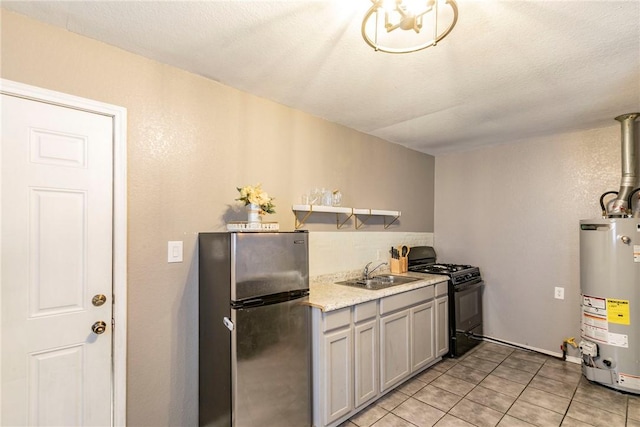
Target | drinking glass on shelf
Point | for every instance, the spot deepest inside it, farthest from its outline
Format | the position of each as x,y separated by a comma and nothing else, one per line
327,197
315,196
337,198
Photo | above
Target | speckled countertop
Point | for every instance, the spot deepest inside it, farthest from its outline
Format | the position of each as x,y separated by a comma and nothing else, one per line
328,296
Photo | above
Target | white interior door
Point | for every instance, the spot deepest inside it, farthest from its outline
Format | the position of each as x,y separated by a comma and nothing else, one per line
57,207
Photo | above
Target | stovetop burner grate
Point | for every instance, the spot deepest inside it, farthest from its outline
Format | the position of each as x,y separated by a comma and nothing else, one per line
458,273
422,259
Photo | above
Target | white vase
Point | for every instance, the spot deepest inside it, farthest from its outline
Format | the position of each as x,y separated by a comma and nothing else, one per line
253,213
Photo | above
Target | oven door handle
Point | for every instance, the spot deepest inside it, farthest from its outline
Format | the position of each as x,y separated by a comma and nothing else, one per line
465,287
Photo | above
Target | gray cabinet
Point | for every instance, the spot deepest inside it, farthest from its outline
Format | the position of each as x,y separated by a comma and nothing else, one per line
442,325
338,390
395,362
332,365
365,356
361,352
407,336
346,368
423,335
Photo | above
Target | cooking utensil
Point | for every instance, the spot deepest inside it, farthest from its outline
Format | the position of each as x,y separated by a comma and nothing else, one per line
404,251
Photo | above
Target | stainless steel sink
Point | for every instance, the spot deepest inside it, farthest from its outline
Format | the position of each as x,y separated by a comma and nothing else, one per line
378,282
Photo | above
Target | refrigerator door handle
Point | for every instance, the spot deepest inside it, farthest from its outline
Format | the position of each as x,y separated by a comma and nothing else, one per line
228,323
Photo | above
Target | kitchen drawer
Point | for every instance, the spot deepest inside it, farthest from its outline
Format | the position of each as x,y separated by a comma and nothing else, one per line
406,299
365,311
336,319
441,288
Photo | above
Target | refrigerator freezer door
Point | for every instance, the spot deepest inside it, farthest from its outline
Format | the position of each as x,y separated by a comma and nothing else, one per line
268,263
271,359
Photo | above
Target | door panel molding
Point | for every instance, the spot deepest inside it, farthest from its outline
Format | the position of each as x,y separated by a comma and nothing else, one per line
119,120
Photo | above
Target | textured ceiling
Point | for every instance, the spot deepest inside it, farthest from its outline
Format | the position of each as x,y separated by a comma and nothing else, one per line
508,70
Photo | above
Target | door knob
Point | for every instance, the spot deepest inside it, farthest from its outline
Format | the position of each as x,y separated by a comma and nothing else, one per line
98,300
99,327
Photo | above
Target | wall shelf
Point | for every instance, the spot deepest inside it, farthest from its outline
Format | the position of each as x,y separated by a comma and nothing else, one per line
360,215
368,213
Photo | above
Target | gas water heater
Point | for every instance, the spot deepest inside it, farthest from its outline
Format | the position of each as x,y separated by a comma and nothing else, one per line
610,279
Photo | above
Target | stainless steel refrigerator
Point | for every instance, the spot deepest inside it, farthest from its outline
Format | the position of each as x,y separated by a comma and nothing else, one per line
255,331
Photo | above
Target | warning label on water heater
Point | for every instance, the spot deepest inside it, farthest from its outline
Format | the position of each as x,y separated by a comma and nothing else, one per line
594,319
636,253
618,311
597,313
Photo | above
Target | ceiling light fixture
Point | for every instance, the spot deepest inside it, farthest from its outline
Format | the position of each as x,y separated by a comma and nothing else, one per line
420,21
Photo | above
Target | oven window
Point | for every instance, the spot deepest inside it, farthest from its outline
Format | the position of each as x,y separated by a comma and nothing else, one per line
469,308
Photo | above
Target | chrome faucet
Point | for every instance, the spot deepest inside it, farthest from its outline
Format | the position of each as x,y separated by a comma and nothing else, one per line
366,272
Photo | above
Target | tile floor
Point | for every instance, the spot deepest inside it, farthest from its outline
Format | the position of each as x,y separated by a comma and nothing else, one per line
495,385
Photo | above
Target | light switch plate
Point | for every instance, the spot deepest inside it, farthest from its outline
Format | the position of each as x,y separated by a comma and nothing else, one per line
174,251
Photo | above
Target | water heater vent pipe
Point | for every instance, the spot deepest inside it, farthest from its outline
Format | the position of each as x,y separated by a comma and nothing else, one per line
629,163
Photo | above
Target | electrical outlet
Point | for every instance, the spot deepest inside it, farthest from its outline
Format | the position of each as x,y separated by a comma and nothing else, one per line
558,293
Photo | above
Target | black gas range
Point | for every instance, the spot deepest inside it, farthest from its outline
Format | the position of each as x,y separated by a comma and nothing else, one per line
465,297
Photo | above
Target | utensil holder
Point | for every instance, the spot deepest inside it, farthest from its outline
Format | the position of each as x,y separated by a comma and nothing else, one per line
399,265
395,265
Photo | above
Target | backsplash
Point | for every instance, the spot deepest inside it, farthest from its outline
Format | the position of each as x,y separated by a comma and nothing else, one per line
340,252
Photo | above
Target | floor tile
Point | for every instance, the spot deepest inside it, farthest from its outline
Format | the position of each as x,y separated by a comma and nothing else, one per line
453,384
633,423
634,408
545,400
530,355
391,420
428,375
562,375
437,397
368,416
494,400
466,373
451,421
553,386
347,424
572,422
601,397
534,414
476,414
391,400
594,416
502,385
411,387
564,364
489,355
509,421
444,365
479,364
497,348
530,366
514,375
418,413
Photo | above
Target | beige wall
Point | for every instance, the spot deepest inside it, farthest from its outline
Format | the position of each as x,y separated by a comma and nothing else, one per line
191,141
518,219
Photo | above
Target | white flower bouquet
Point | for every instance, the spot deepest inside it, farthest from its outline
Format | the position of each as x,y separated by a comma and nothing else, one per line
255,195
